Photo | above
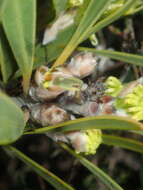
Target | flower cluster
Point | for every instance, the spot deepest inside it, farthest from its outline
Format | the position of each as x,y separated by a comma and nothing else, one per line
113,86
94,139
128,98
83,141
132,103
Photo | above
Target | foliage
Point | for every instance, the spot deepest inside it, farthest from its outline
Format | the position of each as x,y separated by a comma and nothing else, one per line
21,52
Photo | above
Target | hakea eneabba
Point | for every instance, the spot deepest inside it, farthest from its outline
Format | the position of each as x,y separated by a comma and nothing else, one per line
118,99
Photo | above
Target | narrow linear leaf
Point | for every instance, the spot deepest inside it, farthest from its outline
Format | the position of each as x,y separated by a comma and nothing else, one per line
60,5
96,122
91,15
81,11
97,172
125,57
2,7
55,181
111,18
6,59
19,21
39,59
44,54
11,120
138,132
140,8
127,143
55,48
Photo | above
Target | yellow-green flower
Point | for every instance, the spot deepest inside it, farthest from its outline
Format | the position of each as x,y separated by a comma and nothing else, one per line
94,139
132,103
113,86
83,141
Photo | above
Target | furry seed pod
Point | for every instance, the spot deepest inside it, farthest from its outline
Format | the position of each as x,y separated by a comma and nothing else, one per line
59,72
90,109
43,94
82,65
85,109
41,74
48,114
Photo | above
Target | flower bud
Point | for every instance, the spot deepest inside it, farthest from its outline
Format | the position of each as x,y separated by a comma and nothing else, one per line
43,94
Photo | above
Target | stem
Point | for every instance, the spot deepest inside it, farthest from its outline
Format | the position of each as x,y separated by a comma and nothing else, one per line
51,178
64,55
26,82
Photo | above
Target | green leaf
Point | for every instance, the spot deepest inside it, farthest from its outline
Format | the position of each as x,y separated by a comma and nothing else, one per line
46,54
40,56
2,7
11,120
6,59
91,15
111,18
116,5
60,5
97,172
138,132
96,122
19,21
125,57
39,59
81,11
55,48
55,181
127,143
